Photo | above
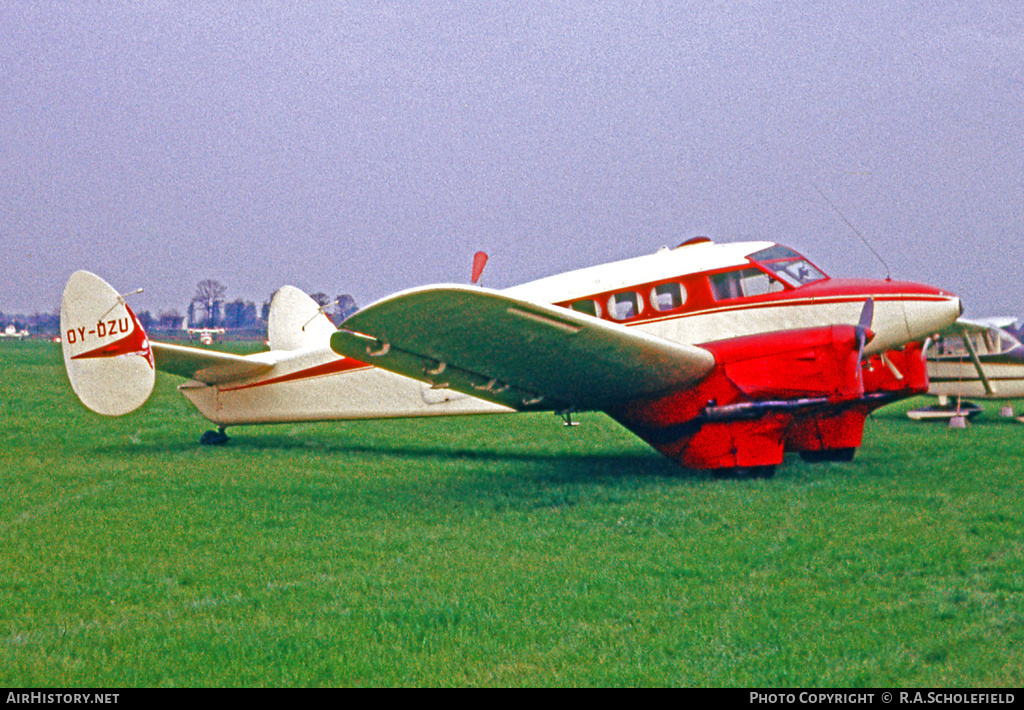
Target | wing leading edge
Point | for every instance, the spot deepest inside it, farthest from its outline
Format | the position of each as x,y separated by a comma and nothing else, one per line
517,353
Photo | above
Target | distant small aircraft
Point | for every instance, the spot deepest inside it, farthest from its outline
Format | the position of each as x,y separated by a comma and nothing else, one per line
974,359
205,334
11,331
721,356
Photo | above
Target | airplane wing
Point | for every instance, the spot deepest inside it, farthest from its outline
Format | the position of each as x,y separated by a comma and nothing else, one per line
521,354
981,325
208,366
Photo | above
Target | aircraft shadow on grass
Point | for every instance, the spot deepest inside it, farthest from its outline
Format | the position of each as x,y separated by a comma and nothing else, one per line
560,466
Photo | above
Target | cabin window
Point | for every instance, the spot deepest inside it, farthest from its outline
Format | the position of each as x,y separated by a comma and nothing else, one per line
668,297
742,283
625,305
951,346
991,342
1006,342
588,306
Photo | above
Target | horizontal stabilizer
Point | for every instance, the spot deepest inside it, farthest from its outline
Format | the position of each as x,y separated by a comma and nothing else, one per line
513,352
209,366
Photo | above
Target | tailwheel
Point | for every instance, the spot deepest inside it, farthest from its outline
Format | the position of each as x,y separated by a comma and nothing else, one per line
214,438
825,455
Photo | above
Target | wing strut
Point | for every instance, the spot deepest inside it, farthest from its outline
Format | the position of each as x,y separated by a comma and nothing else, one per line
989,388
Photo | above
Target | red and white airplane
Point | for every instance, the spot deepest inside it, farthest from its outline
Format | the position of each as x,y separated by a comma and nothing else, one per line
721,356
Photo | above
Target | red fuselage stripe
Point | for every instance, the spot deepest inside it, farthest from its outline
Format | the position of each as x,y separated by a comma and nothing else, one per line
816,301
328,368
701,301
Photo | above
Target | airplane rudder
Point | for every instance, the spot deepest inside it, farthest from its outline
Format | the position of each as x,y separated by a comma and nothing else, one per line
296,321
107,355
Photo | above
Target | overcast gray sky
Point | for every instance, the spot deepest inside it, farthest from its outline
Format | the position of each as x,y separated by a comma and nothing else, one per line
365,147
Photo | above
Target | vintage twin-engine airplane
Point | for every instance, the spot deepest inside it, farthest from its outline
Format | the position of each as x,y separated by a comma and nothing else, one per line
721,356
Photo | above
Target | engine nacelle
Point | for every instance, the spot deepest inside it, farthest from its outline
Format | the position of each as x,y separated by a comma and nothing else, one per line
804,390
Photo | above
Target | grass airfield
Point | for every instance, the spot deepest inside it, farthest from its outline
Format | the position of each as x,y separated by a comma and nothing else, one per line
500,550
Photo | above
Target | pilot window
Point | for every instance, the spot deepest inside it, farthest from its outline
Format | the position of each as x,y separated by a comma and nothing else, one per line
742,283
590,307
625,305
788,266
667,297
992,342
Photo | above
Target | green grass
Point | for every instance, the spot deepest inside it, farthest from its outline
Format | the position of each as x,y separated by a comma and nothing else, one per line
500,550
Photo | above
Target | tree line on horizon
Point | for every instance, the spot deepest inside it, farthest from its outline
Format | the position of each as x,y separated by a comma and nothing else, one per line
209,308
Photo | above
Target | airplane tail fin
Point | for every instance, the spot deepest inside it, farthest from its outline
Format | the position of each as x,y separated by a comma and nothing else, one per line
296,321
106,351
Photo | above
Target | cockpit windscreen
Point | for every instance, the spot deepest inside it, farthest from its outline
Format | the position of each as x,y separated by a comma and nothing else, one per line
788,266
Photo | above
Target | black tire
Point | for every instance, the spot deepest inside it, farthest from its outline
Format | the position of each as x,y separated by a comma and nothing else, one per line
756,472
826,455
213,438
745,472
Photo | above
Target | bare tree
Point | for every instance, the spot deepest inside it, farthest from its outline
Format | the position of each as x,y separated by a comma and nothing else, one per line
209,294
170,320
240,314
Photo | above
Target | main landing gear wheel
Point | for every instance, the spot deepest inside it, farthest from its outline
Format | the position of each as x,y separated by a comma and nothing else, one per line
745,472
826,455
214,438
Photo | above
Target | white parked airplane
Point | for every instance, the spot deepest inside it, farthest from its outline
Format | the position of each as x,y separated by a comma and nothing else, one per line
975,359
721,356
11,331
205,334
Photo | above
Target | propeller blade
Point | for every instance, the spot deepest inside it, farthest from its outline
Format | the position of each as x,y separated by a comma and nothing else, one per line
867,314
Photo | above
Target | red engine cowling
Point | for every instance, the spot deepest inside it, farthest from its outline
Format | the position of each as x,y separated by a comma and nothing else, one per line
800,390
